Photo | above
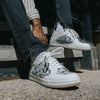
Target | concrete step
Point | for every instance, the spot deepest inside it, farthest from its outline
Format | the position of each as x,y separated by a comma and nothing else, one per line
68,53
7,53
10,65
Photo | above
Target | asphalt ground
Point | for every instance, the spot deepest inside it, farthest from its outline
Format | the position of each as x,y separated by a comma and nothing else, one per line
22,89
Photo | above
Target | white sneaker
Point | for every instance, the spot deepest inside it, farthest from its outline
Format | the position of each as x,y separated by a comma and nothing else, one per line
47,71
69,39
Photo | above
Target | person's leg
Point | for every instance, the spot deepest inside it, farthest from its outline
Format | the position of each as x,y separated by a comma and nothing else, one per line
17,19
64,12
45,69
53,10
47,12
64,35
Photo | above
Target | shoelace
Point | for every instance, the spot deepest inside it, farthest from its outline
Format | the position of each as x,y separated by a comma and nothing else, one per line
73,33
53,62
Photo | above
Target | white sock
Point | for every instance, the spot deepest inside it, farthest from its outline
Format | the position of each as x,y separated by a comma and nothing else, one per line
59,28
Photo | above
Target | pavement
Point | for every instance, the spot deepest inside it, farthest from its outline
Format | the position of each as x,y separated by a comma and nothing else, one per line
19,89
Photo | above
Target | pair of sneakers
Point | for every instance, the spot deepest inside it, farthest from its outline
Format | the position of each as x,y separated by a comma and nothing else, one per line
47,71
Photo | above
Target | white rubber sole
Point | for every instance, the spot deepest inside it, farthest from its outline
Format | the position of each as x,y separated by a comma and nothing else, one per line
52,84
70,46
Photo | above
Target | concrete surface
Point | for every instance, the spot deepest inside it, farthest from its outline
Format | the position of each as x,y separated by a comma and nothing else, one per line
7,53
19,89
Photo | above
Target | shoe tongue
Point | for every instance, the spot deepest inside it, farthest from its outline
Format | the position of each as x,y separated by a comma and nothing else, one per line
59,28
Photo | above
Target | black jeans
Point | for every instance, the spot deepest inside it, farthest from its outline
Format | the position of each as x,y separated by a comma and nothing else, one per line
94,7
51,10
64,11
18,22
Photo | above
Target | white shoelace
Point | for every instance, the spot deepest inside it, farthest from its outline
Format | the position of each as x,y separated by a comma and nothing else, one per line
75,35
52,61
72,32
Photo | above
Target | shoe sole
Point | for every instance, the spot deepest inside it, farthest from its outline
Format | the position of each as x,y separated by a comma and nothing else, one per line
67,47
54,84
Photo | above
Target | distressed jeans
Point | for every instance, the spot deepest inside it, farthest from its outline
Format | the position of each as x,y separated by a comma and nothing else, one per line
18,22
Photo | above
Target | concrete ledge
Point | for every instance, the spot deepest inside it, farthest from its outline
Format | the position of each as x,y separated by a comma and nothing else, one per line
7,53
68,53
